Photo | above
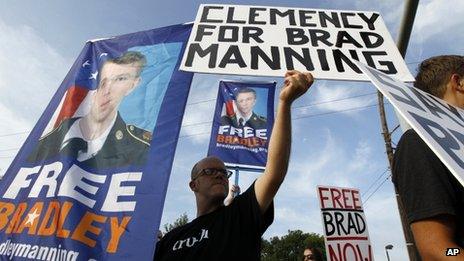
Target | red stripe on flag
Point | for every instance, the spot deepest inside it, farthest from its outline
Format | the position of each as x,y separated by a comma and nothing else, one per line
230,108
74,97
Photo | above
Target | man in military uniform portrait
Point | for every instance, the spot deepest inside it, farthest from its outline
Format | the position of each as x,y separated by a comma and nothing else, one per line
101,138
245,116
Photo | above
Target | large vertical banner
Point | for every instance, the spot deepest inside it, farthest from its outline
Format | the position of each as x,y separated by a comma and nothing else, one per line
242,123
345,226
89,182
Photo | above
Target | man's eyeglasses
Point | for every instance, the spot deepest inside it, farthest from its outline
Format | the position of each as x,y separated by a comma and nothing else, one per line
308,257
212,171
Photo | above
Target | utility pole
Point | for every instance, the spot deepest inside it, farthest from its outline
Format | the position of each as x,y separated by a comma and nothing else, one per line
402,44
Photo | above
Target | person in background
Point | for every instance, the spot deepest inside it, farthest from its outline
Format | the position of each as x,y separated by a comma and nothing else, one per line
233,191
312,254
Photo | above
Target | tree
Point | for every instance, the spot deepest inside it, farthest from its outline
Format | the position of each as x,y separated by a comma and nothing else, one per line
290,246
180,221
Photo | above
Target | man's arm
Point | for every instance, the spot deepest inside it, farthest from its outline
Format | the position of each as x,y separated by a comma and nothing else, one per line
434,235
267,185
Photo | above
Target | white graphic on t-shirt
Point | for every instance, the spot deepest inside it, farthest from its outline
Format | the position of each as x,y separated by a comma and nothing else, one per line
191,241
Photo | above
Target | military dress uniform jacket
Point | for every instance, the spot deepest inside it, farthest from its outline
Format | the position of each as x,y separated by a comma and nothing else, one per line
125,145
255,121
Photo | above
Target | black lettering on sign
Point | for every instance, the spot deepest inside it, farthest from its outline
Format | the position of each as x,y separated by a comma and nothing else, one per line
254,13
230,30
360,223
405,98
254,33
369,20
339,223
195,48
296,36
204,16
232,56
201,31
333,19
391,69
346,22
323,59
449,142
343,223
304,59
340,58
230,17
317,36
257,53
273,12
328,223
305,16
343,37
369,38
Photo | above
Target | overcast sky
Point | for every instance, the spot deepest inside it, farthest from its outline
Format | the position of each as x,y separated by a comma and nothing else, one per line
334,143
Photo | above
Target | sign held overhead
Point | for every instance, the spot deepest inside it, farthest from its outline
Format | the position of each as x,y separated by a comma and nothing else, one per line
268,41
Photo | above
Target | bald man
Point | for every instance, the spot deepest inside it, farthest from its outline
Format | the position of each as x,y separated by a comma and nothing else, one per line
234,232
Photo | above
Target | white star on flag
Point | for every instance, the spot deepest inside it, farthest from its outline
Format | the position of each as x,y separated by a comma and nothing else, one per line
31,217
94,75
86,63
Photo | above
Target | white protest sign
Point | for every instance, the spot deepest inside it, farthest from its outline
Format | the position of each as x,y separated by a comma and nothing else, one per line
345,226
438,123
268,41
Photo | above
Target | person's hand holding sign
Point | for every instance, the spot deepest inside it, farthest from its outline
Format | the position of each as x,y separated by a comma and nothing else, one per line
296,84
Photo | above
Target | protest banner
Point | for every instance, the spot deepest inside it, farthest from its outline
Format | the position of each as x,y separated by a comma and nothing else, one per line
242,123
268,41
438,123
89,182
345,227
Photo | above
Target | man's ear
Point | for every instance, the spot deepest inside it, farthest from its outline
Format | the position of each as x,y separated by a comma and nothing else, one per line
457,82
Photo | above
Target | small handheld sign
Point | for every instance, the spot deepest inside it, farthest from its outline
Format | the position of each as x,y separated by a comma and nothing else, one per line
345,227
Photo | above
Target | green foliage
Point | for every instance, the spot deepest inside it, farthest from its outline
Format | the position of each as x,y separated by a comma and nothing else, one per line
291,246
180,221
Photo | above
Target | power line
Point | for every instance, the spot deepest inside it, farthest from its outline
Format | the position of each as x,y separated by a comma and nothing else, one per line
204,133
335,100
297,118
200,123
381,184
300,107
10,149
373,183
333,112
16,133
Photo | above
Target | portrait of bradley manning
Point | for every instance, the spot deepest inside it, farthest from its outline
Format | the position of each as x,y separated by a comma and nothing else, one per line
101,138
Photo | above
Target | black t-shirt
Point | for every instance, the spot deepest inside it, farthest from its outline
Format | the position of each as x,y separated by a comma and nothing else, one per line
228,233
426,187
